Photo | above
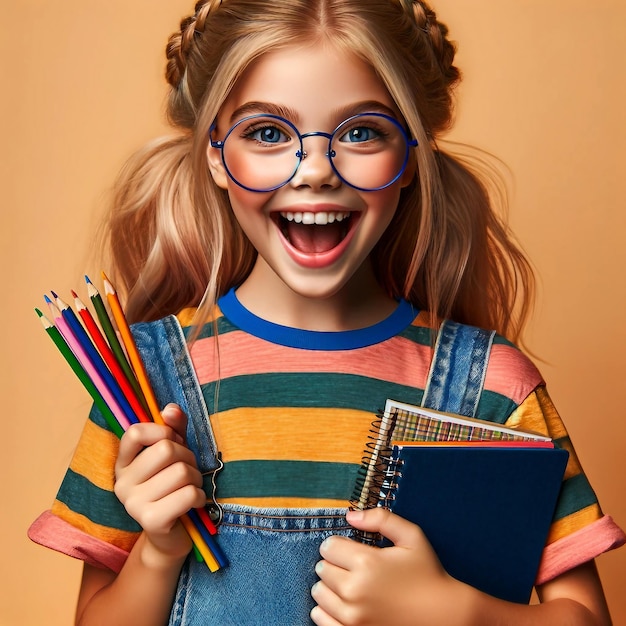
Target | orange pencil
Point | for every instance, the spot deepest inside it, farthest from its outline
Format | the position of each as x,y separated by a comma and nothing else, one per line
131,350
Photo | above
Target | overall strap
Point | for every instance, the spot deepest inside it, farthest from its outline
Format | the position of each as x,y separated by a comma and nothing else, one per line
457,372
163,348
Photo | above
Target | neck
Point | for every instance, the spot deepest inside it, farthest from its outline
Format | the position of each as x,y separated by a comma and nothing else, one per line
358,304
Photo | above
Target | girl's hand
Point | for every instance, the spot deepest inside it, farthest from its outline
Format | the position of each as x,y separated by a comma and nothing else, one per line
401,584
157,480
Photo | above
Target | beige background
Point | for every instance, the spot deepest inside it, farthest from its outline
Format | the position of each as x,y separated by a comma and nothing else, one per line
82,86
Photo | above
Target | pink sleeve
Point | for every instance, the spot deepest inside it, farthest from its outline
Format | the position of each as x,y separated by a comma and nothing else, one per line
579,547
52,532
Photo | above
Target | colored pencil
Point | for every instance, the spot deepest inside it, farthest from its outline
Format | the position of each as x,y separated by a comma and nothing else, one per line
70,357
111,335
131,349
207,521
99,368
109,358
200,543
85,361
212,544
97,361
142,377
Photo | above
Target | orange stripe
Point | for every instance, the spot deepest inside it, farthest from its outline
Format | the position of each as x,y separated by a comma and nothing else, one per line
122,539
95,456
304,434
564,527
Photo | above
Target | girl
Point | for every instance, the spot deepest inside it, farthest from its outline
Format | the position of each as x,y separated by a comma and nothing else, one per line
309,236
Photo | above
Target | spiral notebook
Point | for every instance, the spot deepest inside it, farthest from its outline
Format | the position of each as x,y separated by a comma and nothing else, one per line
485,504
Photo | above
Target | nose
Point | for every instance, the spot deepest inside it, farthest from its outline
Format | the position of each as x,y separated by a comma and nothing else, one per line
315,170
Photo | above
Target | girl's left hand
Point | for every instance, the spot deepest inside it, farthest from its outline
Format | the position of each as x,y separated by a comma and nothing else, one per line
402,584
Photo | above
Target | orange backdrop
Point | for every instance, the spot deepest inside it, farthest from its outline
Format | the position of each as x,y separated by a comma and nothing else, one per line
82,86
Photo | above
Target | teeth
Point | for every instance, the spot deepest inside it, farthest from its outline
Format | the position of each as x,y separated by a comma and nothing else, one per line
308,217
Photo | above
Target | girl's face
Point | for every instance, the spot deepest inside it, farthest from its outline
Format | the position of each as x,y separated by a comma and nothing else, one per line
314,234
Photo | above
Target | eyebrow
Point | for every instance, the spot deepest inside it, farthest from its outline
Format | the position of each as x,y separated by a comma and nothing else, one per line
340,114
250,108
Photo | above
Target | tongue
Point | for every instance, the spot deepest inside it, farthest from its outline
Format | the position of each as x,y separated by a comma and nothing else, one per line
315,237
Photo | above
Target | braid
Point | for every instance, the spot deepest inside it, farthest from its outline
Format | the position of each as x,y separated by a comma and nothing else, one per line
180,43
426,20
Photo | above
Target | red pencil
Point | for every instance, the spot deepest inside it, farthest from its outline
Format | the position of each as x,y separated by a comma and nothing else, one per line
109,359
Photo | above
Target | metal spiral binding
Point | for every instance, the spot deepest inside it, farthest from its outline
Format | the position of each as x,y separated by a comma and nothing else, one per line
390,482
372,472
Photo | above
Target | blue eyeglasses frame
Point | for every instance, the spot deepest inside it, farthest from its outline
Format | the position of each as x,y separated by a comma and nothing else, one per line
301,154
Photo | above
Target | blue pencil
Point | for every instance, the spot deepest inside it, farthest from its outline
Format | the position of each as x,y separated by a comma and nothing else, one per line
211,542
94,356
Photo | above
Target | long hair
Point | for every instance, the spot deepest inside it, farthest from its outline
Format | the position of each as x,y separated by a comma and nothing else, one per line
173,240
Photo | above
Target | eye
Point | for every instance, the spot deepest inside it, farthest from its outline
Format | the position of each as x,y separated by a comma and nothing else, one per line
359,134
266,133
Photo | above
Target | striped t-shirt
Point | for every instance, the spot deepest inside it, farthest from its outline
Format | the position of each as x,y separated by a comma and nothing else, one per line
291,411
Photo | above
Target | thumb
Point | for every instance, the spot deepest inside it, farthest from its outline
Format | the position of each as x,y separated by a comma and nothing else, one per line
395,528
174,417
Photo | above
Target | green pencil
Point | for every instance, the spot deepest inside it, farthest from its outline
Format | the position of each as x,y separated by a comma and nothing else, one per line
114,342
73,362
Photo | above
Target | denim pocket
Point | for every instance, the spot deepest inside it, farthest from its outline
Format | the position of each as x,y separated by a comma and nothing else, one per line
272,554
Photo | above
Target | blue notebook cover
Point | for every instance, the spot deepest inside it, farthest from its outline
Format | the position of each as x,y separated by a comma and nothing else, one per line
485,510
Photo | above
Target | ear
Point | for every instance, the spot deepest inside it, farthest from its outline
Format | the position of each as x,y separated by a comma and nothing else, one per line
409,171
216,167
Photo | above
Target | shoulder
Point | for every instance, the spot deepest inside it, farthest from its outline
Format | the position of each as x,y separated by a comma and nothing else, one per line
510,372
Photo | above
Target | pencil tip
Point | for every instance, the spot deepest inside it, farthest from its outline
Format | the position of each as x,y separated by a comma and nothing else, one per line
54,295
87,279
74,294
48,301
39,313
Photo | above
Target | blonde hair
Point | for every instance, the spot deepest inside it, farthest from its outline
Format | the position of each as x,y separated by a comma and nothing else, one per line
172,236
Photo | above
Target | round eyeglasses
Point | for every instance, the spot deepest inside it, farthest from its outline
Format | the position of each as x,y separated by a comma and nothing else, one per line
263,152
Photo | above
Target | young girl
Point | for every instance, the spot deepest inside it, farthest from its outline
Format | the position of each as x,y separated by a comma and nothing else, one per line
309,235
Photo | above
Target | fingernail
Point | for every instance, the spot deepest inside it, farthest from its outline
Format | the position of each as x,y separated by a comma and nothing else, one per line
354,515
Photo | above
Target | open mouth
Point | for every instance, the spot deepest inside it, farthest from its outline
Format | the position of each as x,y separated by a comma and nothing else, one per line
317,232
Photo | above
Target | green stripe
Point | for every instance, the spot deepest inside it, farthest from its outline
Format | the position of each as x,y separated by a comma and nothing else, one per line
99,505
344,391
499,340
303,479
417,334
95,415
223,327
494,407
576,494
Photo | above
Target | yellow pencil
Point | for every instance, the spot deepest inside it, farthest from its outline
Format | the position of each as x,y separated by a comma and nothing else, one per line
131,349
200,544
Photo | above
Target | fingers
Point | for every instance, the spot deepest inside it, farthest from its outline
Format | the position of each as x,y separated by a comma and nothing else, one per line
174,417
321,618
140,436
378,520
157,478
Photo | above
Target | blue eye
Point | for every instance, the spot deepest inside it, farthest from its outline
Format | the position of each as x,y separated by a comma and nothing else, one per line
359,134
267,134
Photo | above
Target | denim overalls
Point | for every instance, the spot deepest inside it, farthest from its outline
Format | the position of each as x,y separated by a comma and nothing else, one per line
272,552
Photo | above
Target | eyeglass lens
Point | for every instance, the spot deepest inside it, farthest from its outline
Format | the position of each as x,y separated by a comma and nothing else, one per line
263,152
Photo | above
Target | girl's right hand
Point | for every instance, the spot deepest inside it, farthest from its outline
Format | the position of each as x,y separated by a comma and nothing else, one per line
157,480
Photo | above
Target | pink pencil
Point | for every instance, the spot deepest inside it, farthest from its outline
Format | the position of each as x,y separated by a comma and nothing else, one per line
84,360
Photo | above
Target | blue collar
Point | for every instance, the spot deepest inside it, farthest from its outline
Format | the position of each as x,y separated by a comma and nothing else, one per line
238,315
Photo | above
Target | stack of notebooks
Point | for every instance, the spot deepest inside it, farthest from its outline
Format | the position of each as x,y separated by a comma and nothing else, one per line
483,494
